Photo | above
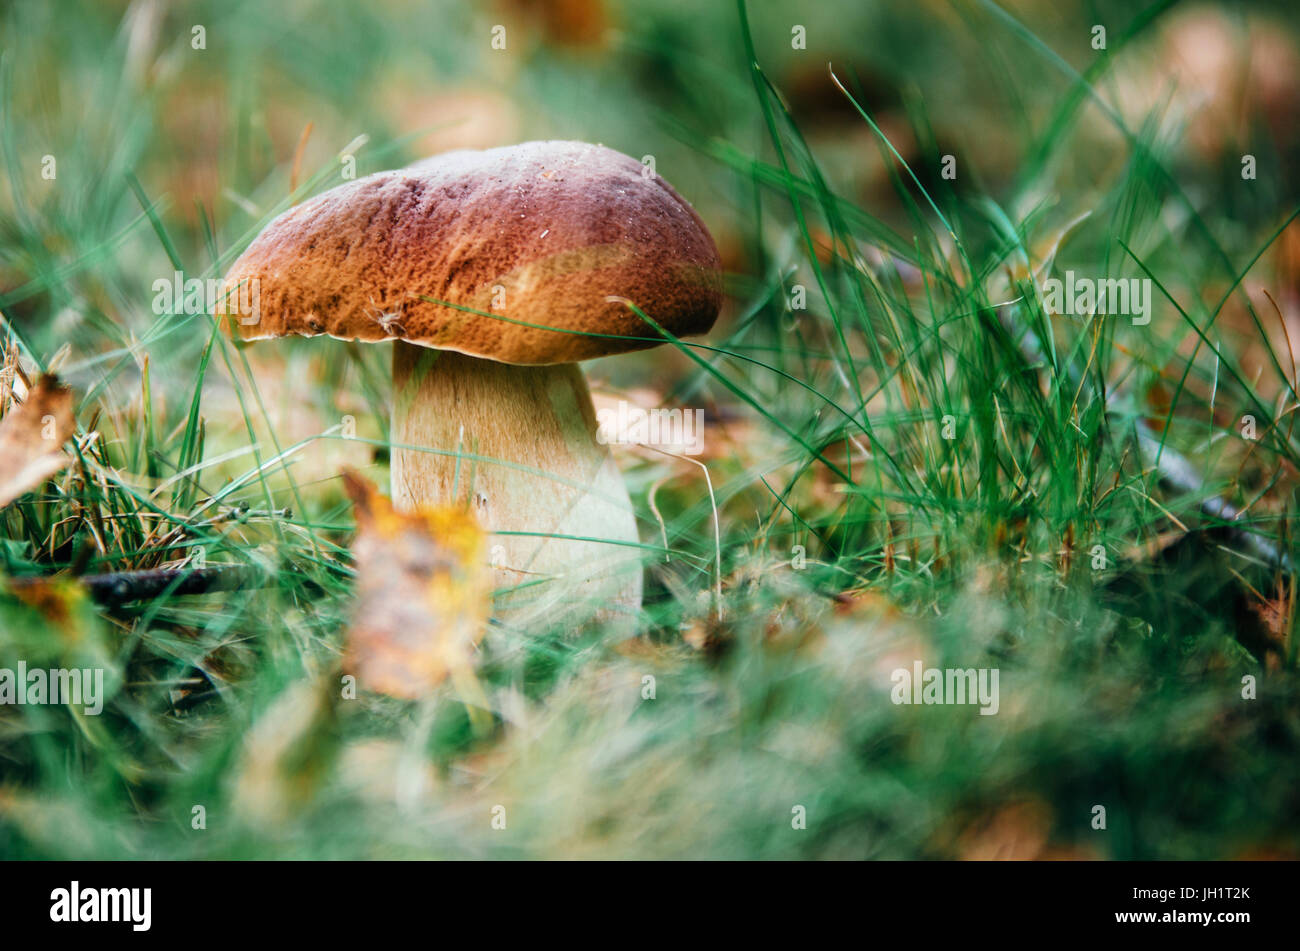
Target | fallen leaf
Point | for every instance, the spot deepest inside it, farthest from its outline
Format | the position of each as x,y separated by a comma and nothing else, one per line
424,590
57,599
569,23
52,622
32,437
708,634
1016,832
1274,615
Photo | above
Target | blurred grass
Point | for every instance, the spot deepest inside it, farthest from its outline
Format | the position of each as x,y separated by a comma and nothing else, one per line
825,430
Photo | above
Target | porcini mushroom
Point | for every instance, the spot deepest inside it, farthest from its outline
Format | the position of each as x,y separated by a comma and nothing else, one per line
489,407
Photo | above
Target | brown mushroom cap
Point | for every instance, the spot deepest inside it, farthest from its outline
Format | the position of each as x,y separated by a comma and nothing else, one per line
542,233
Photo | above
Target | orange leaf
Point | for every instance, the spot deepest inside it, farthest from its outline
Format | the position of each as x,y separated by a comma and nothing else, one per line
32,437
423,595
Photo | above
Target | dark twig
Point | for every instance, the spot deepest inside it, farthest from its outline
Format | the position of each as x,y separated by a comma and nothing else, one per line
119,587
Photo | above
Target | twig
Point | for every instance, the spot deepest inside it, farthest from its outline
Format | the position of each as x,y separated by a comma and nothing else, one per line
119,587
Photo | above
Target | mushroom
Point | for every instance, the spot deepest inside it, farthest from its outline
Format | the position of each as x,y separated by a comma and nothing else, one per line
489,408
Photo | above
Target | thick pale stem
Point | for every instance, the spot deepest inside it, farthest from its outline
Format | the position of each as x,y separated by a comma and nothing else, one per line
536,469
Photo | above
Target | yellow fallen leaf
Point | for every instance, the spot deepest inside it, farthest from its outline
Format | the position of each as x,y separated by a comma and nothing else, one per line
32,435
424,590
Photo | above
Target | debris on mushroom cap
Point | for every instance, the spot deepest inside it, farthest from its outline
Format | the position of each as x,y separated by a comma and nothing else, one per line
550,234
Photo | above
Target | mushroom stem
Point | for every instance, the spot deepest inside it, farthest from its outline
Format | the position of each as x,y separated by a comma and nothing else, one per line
518,444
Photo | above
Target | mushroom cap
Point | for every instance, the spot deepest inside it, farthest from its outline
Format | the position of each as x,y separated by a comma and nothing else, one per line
542,234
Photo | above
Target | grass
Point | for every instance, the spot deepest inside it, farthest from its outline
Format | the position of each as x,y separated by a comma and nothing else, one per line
966,479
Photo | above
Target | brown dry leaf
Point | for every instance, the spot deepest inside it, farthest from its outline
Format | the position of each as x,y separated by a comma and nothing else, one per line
424,591
1230,73
569,23
708,635
58,599
32,437
866,602
1159,403
1016,832
1274,615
